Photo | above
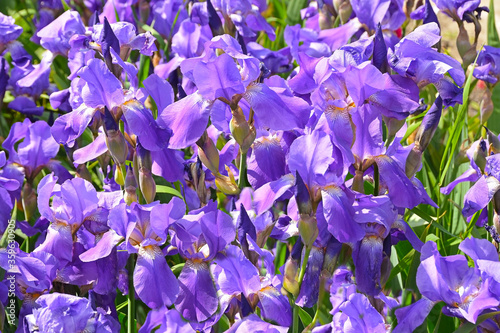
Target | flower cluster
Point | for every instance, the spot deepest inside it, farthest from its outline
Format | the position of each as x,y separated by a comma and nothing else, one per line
233,166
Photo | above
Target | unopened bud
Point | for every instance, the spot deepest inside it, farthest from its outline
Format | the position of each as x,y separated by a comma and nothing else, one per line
345,11
119,176
465,49
308,229
486,107
290,283
115,140
208,153
479,155
494,147
302,196
243,132
29,201
413,162
130,194
393,125
147,185
225,184
198,176
429,124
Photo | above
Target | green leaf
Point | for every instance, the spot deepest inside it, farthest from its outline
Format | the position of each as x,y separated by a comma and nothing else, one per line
493,39
168,190
469,327
177,269
305,317
456,130
494,121
293,11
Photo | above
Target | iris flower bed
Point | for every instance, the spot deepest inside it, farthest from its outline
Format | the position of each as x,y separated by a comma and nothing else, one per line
249,166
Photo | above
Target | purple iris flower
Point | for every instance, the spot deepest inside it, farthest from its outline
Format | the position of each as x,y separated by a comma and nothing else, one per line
430,66
28,82
456,9
66,313
56,35
255,324
387,12
482,192
488,64
467,291
11,180
37,149
9,31
166,319
144,230
245,16
198,237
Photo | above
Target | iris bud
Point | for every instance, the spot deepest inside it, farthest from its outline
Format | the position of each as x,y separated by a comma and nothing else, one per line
479,155
308,229
225,184
494,147
413,162
146,181
208,153
115,140
290,283
243,132
130,194
302,196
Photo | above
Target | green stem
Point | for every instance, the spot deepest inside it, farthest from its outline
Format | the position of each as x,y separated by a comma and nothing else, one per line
376,177
131,328
242,180
305,259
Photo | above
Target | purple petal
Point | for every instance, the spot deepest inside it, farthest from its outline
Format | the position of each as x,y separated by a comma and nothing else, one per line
310,155
339,214
218,78
238,274
187,118
265,195
479,249
154,281
91,151
412,316
141,123
271,110
480,194
197,299
68,127
160,90
470,175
